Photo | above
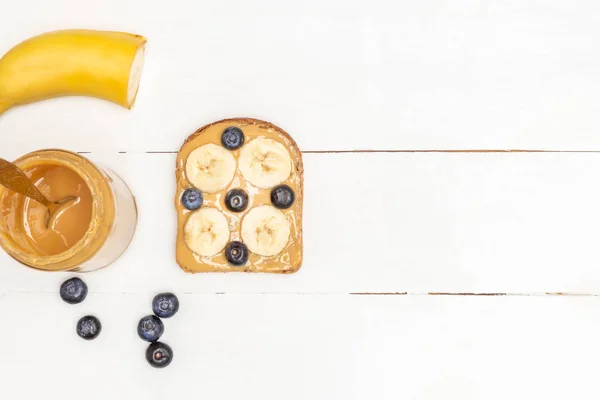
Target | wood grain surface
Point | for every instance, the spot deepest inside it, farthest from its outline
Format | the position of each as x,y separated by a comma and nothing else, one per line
452,157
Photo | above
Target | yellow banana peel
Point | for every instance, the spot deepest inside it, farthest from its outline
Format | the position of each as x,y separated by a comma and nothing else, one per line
101,64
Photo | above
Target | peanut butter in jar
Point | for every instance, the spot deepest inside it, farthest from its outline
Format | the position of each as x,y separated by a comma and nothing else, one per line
91,233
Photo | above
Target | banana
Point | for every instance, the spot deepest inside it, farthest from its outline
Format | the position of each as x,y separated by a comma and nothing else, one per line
206,232
265,230
210,168
265,163
101,64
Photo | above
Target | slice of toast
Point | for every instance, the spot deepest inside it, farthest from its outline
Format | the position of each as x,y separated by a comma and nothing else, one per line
271,236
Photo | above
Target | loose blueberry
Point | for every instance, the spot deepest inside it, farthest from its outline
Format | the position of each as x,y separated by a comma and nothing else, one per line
236,200
232,138
73,291
159,354
150,328
236,253
282,196
89,327
191,199
165,305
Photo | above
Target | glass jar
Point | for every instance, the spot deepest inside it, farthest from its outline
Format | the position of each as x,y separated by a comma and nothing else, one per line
111,225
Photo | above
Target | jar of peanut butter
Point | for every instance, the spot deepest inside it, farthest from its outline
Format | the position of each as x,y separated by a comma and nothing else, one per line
90,234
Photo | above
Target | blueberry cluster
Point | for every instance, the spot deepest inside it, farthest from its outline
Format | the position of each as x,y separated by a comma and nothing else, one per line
236,200
150,328
74,291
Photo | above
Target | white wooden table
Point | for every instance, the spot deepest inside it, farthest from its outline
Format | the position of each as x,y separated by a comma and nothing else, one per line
433,269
